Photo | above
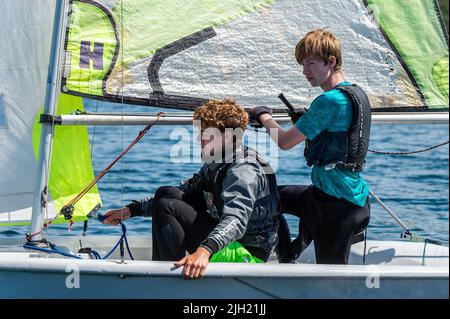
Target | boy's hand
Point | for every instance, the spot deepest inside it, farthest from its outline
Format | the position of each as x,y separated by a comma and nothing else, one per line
255,113
114,216
295,116
195,264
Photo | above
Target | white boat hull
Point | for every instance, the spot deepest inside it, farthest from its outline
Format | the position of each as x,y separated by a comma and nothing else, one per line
392,270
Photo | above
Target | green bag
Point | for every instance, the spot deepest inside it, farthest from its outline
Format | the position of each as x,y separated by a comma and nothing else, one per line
234,253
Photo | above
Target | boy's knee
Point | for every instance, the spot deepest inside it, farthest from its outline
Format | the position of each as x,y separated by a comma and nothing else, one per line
166,191
160,206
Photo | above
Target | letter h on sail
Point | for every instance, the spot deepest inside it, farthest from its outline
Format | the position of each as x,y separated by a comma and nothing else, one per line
86,55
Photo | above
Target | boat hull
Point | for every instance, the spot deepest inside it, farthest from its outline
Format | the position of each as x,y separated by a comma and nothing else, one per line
25,274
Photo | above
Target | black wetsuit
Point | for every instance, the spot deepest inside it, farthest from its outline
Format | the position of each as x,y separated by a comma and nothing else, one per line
219,205
334,224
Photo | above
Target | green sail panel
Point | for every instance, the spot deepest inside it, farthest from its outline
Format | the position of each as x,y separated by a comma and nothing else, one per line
414,29
440,76
93,35
71,167
178,54
142,26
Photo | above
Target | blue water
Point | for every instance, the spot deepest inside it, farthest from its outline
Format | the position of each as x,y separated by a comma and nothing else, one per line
415,187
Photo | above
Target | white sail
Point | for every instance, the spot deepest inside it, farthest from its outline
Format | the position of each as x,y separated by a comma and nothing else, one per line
25,30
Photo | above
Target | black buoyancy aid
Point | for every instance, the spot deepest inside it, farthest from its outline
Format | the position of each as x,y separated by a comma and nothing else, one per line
263,224
346,149
221,172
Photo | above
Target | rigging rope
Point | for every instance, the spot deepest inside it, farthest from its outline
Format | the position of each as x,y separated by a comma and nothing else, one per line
106,170
257,130
47,247
67,210
409,153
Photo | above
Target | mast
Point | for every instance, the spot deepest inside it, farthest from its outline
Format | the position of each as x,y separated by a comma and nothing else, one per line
51,99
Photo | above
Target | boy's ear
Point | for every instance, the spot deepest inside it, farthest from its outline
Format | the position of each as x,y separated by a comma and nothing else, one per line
332,61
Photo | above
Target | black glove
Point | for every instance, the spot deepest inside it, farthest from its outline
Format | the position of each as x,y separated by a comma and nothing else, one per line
295,116
255,113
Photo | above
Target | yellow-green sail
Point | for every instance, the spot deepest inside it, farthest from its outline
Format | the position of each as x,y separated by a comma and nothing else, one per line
71,167
414,29
129,32
178,54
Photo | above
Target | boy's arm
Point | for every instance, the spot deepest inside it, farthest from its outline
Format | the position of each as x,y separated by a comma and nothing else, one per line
285,139
142,207
322,113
